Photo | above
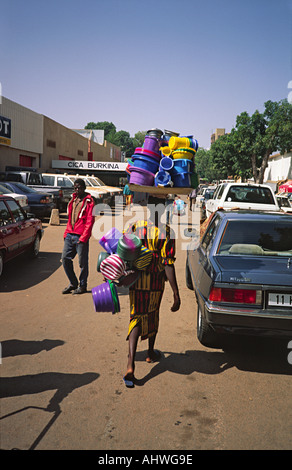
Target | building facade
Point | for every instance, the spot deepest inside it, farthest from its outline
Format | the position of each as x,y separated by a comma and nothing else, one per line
29,139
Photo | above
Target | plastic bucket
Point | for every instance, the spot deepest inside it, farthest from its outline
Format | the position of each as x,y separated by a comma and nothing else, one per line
182,180
166,151
184,153
155,133
166,163
129,247
193,142
179,142
101,257
148,153
102,298
182,165
151,143
113,267
147,163
141,177
167,134
162,178
110,240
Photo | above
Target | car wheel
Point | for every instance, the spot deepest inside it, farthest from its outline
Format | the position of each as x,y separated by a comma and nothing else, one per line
189,282
36,246
205,334
1,263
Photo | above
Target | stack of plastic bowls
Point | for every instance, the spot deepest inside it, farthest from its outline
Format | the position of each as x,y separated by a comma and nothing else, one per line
162,178
105,298
181,172
129,247
110,240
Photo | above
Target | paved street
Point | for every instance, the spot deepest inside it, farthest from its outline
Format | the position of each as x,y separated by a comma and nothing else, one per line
63,363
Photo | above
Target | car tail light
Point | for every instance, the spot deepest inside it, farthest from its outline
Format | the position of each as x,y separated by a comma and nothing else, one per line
238,296
60,193
45,200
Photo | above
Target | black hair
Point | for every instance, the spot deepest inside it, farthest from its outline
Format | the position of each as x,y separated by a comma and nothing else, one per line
81,182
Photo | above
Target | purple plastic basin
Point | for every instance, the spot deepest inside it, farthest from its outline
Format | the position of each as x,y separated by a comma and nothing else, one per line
141,177
102,298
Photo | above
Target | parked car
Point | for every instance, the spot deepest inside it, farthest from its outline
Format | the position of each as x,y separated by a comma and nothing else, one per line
284,202
21,198
97,182
40,204
242,196
241,271
19,232
31,178
208,194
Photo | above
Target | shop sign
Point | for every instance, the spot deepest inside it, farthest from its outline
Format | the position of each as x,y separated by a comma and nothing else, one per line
88,165
5,130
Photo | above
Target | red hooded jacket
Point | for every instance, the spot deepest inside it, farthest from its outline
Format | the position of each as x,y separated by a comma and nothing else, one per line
85,220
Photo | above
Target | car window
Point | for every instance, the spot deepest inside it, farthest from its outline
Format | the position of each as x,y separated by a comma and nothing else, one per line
264,238
250,194
210,234
25,189
61,181
4,189
16,211
49,180
34,178
220,191
5,216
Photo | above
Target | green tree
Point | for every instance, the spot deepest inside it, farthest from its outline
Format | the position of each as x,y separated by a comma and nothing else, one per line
260,135
108,127
138,139
205,165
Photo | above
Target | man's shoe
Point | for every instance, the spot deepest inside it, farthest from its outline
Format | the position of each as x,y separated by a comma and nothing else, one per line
68,289
80,290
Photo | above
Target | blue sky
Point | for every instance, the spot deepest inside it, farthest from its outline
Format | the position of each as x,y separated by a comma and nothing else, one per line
184,65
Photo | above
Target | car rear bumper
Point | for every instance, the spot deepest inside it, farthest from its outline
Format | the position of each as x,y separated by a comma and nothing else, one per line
276,322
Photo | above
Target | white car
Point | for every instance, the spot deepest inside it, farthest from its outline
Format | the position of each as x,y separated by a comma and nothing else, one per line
242,196
20,198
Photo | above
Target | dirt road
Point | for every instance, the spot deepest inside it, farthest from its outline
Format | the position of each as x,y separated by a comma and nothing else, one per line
63,363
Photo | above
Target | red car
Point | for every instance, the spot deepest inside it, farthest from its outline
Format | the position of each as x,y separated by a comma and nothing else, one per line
19,232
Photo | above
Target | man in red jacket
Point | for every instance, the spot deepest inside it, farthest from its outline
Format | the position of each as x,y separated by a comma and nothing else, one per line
76,237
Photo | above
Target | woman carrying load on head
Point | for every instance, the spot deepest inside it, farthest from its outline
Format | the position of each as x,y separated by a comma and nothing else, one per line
147,292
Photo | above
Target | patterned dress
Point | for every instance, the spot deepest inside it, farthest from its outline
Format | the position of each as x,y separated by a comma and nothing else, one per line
146,293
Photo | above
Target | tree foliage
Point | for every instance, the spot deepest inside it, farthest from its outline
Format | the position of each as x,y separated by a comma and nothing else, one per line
246,150
120,138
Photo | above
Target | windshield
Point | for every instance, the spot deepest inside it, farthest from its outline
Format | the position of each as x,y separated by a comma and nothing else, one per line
4,190
249,194
266,237
25,189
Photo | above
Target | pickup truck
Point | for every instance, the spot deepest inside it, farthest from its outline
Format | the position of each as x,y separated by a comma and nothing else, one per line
243,196
61,194
99,194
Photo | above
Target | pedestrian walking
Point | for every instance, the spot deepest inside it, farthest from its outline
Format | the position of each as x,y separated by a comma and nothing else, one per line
146,294
192,197
128,195
76,237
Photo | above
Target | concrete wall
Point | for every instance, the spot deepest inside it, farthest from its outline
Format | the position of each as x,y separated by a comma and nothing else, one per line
26,134
42,140
279,167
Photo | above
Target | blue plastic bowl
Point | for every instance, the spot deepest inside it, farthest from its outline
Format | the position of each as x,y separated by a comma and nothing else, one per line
146,163
182,180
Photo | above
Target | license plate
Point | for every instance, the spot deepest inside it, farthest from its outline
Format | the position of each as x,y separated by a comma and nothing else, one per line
280,300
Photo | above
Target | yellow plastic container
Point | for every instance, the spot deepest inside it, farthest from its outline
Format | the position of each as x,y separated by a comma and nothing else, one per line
166,151
184,153
179,142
